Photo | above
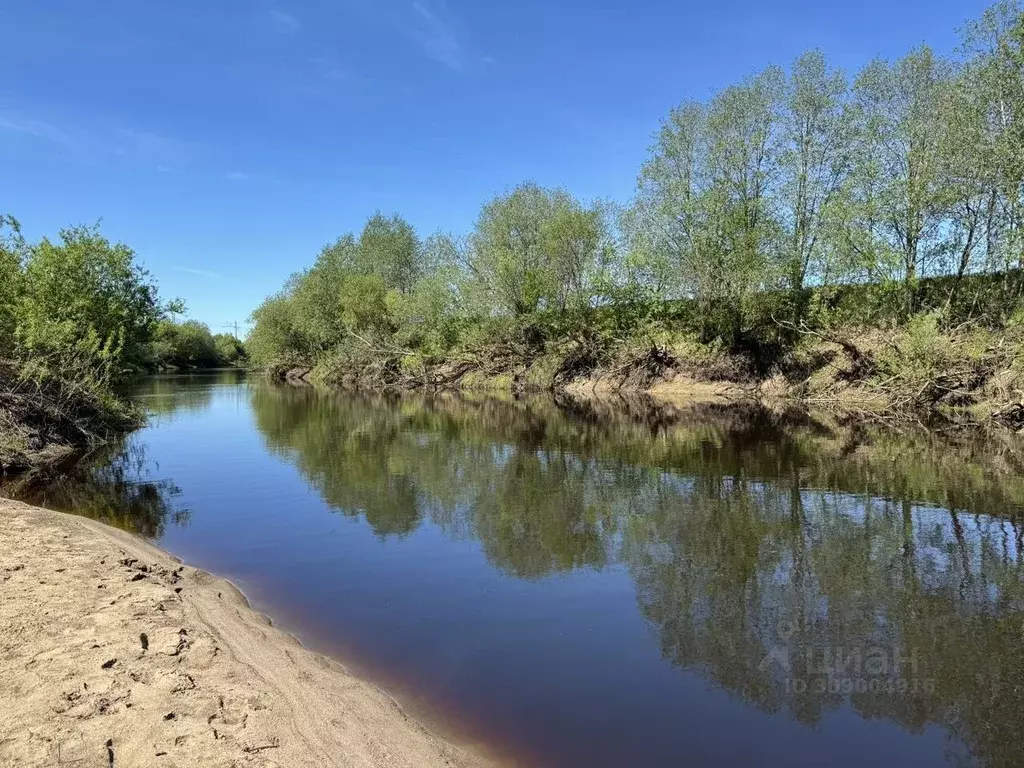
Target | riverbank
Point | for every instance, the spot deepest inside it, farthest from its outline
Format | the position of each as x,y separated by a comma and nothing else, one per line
917,373
47,416
49,419
116,654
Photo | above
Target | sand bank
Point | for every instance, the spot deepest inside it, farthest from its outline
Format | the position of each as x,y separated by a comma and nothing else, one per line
112,653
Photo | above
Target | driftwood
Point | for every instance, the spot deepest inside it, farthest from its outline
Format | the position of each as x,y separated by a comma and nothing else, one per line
1011,416
863,362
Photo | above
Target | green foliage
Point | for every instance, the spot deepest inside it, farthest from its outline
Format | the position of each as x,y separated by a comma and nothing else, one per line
430,318
815,157
49,408
12,248
919,353
363,301
315,296
275,337
703,201
230,350
900,168
390,249
191,345
535,249
75,316
994,78
792,202
84,294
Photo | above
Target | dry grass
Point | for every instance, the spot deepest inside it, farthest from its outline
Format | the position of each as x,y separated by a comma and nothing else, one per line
46,414
968,374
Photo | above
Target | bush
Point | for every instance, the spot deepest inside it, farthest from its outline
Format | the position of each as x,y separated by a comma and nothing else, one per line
230,351
84,292
76,316
276,339
49,409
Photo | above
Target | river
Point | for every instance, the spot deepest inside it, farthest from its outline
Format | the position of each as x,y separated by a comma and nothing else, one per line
618,584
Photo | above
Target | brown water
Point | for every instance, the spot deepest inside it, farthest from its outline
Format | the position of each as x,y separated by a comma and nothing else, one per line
628,585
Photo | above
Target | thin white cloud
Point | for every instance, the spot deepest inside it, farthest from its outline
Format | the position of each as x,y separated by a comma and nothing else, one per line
165,153
329,71
37,128
91,144
439,35
200,272
285,22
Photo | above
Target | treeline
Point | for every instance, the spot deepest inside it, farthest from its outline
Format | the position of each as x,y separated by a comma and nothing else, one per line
78,315
774,226
83,297
190,345
790,180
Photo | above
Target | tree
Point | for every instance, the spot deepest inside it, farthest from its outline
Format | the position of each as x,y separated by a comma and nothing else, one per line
84,293
184,345
363,304
431,317
744,159
316,294
575,242
194,346
902,188
389,247
816,137
508,258
275,337
970,178
12,251
704,200
230,350
533,249
994,83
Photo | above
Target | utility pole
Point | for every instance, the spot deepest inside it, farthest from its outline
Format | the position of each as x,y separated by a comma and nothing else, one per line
233,326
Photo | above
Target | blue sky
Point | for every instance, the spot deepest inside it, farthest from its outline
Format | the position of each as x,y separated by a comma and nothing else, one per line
227,141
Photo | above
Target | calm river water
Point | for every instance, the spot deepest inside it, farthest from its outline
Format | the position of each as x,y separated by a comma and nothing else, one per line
615,586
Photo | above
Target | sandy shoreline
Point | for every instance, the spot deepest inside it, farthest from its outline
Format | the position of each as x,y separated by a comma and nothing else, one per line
114,653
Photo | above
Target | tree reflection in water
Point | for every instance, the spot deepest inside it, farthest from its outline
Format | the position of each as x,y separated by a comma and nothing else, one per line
799,563
108,486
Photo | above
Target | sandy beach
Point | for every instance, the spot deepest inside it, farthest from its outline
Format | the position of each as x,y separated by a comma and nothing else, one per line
113,653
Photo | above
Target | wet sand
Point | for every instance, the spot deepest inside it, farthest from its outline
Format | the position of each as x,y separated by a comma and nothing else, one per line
113,653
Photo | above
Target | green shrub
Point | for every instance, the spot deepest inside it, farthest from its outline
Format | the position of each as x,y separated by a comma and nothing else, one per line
83,290
76,316
230,351
191,345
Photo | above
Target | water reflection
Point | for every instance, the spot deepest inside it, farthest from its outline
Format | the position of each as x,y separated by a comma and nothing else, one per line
476,468
117,484
111,486
812,569
800,564
800,600
167,394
